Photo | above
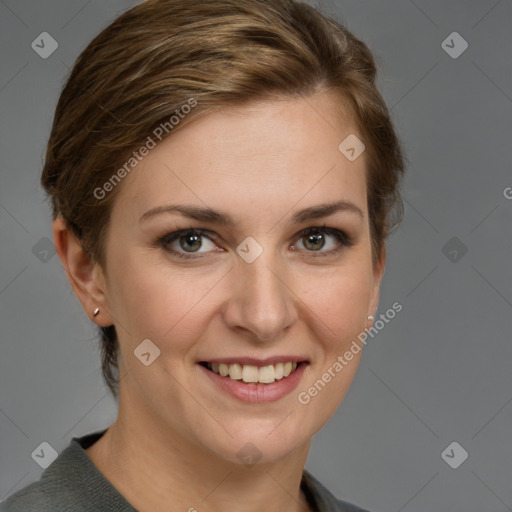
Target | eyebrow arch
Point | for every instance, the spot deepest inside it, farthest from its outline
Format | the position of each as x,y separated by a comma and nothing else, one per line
223,219
323,210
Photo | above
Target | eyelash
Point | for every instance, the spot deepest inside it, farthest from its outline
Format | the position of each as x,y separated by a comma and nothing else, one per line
343,239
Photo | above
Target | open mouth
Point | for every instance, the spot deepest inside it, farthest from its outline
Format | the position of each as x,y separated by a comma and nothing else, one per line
253,374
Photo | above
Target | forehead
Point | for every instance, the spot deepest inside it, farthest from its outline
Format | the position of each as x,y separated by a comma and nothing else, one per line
264,157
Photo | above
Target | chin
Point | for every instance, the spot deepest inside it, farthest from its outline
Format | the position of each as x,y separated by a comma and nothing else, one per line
256,441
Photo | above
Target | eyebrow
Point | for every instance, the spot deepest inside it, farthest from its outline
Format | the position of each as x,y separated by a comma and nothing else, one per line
223,219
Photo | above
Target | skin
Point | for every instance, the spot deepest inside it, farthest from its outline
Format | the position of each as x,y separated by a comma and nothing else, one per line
177,435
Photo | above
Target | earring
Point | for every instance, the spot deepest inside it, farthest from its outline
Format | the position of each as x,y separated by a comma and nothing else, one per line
95,312
370,317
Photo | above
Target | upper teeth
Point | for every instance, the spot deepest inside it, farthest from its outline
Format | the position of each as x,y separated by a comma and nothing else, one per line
250,373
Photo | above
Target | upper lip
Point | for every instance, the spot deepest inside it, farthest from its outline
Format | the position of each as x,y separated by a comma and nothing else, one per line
256,362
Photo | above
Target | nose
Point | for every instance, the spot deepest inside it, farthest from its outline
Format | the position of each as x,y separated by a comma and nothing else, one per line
261,302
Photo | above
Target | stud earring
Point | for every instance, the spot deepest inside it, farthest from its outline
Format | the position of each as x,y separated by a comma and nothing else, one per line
95,312
370,317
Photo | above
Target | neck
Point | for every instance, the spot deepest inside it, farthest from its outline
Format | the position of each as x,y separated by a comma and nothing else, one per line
153,468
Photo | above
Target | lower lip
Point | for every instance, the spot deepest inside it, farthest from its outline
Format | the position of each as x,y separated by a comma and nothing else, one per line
257,393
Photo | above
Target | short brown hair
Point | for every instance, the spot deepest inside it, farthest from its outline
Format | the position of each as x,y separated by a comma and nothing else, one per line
158,55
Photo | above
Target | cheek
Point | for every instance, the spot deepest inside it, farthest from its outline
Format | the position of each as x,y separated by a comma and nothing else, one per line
151,301
340,301
340,308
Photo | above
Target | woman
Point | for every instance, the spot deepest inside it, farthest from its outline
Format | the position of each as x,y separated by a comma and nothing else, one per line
222,177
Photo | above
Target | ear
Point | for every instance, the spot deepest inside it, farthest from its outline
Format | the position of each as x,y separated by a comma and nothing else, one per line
378,273
86,278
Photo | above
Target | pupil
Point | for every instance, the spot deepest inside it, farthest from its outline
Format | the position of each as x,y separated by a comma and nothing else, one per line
193,242
314,242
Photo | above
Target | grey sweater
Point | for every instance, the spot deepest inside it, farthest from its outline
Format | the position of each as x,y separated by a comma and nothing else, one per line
73,484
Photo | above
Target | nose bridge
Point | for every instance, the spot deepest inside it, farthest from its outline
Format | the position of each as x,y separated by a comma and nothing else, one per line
260,301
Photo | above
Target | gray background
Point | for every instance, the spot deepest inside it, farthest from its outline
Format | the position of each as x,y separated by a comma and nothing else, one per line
438,372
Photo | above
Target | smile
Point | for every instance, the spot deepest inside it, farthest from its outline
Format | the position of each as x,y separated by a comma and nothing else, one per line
255,381
253,374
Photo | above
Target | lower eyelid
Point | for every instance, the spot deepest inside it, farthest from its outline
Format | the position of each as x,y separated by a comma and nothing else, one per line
344,240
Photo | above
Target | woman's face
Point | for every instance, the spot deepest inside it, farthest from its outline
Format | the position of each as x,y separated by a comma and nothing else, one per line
247,286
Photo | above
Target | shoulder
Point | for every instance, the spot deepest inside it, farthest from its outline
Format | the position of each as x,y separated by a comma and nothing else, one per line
49,492
321,499
36,497
71,483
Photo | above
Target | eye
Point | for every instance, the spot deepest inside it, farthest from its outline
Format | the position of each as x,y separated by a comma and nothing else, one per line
193,243
323,240
187,242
